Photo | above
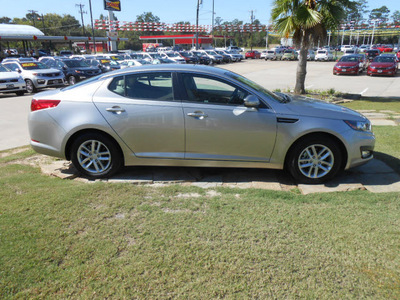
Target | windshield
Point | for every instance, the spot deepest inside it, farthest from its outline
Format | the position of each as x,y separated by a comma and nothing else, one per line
4,69
33,66
155,55
349,59
211,53
75,63
384,59
172,55
255,86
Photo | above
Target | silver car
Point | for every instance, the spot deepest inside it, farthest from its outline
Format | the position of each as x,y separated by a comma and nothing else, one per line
36,74
11,82
198,116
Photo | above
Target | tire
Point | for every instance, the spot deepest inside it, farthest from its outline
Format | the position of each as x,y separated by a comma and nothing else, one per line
20,93
71,80
95,155
30,87
323,164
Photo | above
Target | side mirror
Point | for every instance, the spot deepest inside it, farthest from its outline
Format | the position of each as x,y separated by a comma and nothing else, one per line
251,101
17,70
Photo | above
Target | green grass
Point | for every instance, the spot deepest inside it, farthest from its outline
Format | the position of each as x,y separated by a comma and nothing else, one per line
66,239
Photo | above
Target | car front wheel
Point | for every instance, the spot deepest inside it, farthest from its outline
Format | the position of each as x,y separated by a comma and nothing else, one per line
95,155
30,87
314,160
71,80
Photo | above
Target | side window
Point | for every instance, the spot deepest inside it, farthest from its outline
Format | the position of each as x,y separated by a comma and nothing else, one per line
13,67
154,86
59,65
117,85
212,91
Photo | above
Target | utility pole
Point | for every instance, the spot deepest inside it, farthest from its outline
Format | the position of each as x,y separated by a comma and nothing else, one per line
81,11
197,23
91,19
251,29
212,25
33,12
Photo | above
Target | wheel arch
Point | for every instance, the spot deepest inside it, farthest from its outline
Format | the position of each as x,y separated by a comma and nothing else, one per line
85,131
341,145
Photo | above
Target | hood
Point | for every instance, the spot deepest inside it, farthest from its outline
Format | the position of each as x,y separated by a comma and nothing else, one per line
304,106
85,69
44,71
9,75
347,64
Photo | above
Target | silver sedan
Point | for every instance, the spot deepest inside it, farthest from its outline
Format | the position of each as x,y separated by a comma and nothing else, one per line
190,115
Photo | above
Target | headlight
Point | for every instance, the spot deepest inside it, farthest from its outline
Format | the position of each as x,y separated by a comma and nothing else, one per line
372,67
360,125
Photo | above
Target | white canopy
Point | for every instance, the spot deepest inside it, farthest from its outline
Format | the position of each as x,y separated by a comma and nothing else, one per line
15,29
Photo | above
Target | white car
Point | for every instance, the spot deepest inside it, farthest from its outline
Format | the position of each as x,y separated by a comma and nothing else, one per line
325,55
350,51
346,47
363,48
274,54
133,62
174,56
11,82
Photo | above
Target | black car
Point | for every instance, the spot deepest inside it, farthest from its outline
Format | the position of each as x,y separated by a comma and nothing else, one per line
371,54
225,57
105,65
74,69
203,58
190,57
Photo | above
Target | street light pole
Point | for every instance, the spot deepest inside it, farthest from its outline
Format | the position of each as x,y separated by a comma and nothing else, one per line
197,24
91,19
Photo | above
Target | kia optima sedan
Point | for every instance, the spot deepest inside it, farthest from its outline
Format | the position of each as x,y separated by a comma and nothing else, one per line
197,116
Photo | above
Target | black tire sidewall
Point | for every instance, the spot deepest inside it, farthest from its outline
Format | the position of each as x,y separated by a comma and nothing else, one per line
299,148
116,156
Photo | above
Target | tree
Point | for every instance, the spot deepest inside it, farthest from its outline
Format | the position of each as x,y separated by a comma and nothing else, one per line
308,22
356,12
147,17
396,17
5,20
381,13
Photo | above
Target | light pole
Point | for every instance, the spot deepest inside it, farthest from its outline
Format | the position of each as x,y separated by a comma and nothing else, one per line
91,19
373,31
197,23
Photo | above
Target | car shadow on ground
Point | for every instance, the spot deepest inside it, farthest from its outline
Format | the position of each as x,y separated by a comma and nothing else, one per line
376,176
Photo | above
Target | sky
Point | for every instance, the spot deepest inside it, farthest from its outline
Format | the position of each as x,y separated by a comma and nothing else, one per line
169,11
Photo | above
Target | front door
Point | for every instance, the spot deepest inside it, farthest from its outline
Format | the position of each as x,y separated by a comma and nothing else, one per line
219,127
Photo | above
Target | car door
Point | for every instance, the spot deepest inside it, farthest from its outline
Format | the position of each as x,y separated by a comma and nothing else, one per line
142,110
219,127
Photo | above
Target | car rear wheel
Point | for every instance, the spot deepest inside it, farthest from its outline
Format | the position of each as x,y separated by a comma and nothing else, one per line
30,87
95,155
314,160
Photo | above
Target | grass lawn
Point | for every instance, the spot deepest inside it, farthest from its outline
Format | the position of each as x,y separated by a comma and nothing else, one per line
66,239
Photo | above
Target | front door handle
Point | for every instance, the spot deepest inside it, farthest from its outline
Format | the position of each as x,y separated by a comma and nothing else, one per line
198,115
115,109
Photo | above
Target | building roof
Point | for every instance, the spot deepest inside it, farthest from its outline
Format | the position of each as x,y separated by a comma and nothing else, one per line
19,30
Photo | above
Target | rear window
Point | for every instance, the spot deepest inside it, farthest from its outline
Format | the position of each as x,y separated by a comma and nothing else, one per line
321,52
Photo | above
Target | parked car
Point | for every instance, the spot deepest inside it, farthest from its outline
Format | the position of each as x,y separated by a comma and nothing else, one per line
215,57
382,65
36,74
105,65
348,64
74,70
252,54
324,55
390,55
290,54
189,57
363,48
133,63
203,58
346,47
225,57
372,53
66,53
11,82
174,56
385,48
310,54
235,55
350,51
234,48
185,115
274,55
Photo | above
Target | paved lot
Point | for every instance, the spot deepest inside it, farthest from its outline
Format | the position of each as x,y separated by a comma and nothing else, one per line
282,75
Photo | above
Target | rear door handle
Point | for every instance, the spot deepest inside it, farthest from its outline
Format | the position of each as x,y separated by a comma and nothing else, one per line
115,109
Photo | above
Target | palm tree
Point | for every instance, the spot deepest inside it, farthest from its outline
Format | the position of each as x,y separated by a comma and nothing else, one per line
308,22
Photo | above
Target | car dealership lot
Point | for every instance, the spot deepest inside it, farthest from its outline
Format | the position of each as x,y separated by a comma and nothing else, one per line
282,75
270,74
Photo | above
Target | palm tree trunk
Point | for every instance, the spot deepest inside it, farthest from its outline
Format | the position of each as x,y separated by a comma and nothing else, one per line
301,67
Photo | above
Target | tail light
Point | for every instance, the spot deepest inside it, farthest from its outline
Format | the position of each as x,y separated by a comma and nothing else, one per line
43,104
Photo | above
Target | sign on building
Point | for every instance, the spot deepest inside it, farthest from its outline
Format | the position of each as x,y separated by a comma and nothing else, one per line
112,5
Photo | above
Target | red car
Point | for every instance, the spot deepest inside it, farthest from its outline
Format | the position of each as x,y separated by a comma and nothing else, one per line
385,48
383,65
252,54
348,64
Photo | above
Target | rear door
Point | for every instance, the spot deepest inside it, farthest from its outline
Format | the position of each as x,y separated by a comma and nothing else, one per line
142,110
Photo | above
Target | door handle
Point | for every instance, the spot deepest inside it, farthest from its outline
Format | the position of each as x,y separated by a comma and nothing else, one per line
198,115
115,109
